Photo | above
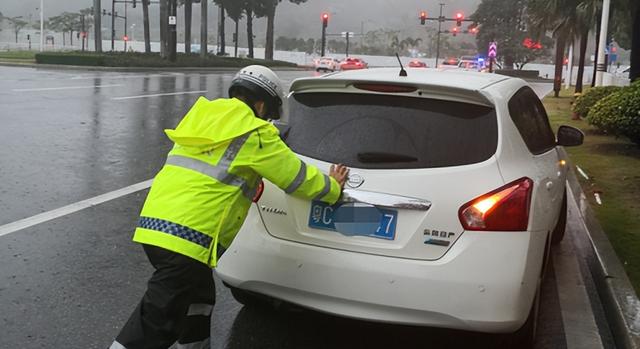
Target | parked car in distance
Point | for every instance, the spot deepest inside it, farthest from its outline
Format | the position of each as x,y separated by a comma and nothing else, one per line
352,63
455,197
416,63
449,63
471,65
327,64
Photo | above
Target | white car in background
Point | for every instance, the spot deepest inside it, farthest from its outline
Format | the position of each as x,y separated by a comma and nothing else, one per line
456,192
327,64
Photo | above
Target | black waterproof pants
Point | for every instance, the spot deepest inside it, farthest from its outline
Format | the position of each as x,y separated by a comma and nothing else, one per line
176,307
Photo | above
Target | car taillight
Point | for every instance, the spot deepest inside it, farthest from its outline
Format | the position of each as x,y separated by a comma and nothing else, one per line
504,209
259,192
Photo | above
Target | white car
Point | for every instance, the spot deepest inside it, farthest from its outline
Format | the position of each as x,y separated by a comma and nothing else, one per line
456,190
327,64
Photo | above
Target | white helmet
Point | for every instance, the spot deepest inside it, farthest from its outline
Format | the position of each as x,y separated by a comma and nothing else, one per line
264,84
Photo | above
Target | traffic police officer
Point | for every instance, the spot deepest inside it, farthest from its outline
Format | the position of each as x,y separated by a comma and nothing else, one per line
200,198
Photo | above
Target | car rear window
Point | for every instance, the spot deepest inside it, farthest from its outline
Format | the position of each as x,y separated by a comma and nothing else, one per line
390,132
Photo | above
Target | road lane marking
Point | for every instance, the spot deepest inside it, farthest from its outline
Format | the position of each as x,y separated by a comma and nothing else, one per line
72,208
61,88
581,330
158,95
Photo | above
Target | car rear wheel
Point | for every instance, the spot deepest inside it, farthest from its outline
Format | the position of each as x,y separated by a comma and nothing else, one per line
558,231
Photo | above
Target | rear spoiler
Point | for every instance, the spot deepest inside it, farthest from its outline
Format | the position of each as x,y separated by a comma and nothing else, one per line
479,97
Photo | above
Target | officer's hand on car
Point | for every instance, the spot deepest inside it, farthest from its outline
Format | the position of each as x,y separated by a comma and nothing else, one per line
340,173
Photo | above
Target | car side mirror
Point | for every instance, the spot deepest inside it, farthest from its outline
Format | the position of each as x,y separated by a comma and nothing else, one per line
283,128
569,136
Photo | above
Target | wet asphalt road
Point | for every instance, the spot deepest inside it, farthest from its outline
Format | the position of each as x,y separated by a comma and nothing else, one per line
71,282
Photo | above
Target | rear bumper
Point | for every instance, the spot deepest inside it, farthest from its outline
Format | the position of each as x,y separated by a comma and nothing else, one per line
485,283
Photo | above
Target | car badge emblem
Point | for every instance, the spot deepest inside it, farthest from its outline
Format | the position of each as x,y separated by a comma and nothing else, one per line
355,181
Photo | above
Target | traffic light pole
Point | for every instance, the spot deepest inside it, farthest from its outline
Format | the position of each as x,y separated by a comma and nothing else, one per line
126,38
440,20
324,39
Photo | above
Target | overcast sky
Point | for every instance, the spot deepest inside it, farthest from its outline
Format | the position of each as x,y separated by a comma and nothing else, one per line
291,20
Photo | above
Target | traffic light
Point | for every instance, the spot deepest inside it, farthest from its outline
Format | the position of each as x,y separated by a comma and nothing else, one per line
325,20
459,18
455,31
423,17
474,30
134,3
125,38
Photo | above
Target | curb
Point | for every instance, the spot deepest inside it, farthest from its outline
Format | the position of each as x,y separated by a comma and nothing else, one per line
136,69
618,297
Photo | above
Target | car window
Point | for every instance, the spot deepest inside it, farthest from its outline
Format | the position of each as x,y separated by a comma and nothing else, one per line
530,117
353,129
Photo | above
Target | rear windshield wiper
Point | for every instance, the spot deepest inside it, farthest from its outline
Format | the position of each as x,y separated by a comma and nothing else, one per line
385,157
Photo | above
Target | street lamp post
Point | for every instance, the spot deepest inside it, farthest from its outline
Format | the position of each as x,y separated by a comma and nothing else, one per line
604,23
41,25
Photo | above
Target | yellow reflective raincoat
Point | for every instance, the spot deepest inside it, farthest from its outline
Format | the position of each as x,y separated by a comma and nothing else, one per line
201,196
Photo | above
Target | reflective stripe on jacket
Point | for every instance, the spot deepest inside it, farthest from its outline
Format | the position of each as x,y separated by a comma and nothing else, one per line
201,196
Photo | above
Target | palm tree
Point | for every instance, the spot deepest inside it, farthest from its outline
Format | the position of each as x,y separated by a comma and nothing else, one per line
587,11
235,9
270,6
187,25
145,25
203,29
564,25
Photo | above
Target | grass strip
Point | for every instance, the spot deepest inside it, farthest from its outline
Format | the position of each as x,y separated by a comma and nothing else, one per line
613,167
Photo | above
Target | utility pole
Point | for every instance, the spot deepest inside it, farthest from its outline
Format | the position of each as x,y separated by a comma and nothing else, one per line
440,20
604,24
97,25
113,24
41,25
173,7
347,53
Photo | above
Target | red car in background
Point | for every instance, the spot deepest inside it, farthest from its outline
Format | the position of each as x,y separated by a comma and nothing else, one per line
417,64
353,63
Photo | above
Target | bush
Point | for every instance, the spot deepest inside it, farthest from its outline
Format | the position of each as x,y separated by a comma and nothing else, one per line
149,60
591,97
619,113
90,59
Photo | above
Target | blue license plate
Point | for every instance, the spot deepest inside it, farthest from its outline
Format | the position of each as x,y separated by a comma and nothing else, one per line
354,219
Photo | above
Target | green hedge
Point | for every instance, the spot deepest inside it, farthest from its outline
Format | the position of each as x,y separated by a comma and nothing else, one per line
619,113
584,103
151,60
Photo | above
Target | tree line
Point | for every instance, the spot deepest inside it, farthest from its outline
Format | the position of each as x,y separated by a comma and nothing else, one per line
234,9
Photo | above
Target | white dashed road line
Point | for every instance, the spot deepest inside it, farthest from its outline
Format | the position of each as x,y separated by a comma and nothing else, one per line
159,94
61,88
75,207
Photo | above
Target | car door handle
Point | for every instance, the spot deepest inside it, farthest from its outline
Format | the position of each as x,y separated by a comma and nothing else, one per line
549,185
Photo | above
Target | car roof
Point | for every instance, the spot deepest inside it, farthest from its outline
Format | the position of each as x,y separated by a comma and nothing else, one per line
440,83
441,77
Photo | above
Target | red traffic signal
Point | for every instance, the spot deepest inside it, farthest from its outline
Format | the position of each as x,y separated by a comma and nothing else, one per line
423,17
125,38
459,18
455,31
325,19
